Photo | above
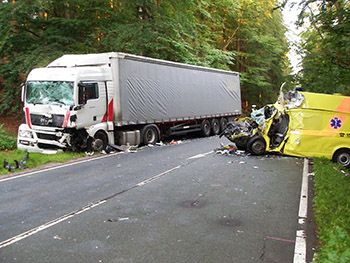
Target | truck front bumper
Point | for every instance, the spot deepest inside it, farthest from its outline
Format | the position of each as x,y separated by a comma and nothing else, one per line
39,140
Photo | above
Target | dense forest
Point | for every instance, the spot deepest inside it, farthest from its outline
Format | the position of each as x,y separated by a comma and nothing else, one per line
325,46
247,36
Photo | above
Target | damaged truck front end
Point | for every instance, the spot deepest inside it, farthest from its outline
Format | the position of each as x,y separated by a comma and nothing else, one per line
51,106
302,124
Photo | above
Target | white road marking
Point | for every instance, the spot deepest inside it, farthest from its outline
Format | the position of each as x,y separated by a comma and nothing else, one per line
300,247
56,221
157,176
300,240
61,219
58,167
201,155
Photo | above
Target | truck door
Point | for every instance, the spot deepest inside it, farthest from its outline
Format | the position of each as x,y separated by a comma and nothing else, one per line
92,99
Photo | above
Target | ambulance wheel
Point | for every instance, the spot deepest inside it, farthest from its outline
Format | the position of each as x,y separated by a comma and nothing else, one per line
342,157
215,126
205,126
256,145
149,134
100,141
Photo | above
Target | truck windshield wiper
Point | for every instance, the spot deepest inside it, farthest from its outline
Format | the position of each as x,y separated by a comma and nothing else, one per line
57,101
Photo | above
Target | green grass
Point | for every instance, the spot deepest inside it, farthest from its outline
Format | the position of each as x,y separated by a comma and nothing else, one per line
7,142
332,212
35,159
8,152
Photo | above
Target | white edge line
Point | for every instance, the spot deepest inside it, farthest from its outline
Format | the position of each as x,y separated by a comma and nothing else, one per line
300,240
58,167
157,176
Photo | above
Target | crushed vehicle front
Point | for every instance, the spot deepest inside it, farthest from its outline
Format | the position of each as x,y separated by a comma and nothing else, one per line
302,124
266,128
48,103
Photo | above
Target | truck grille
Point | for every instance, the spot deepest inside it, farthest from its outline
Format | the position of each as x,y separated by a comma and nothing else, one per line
42,120
46,136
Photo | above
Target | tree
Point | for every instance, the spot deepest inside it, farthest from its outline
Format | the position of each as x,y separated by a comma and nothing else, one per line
240,35
325,46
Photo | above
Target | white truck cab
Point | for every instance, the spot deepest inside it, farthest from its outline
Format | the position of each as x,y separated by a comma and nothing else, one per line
63,100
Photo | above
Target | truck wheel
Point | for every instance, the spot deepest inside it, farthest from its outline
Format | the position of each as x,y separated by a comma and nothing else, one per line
342,157
100,141
149,134
256,145
215,126
223,124
205,128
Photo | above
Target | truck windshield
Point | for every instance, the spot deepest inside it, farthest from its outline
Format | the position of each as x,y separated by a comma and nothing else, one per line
50,92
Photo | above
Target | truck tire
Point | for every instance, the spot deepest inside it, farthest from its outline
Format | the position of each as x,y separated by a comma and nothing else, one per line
223,124
205,128
342,157
100,141
256,145
150,134
215,126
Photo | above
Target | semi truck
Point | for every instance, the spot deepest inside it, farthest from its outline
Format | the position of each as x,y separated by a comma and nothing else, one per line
80,101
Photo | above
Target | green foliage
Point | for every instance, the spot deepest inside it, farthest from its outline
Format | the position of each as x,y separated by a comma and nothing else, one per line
325,46
332,209
240,35
35,159
7,142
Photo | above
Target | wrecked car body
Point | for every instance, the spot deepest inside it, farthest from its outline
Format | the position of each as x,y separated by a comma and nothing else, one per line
301,124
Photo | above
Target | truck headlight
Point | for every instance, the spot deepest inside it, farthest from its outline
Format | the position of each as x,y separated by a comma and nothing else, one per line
25,134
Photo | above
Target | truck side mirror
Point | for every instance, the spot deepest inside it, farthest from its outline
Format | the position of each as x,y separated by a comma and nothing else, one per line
22,91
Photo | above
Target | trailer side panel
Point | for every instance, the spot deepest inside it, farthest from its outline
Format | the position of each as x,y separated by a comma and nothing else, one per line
153,92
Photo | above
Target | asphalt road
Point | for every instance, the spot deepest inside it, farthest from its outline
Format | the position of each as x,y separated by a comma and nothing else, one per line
179,203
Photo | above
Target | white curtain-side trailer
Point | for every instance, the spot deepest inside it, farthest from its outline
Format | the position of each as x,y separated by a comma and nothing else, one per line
92,100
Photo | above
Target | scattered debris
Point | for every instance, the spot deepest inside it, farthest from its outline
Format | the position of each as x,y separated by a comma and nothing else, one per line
341,171
57,237
226,149
21,164
173,142
120,219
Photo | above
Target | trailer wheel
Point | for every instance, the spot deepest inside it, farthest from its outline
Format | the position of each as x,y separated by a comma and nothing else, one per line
223,124
342,157
205,128
215,126
256,145
100,141
150,134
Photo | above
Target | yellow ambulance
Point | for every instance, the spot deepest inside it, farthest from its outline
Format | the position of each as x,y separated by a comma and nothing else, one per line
301,124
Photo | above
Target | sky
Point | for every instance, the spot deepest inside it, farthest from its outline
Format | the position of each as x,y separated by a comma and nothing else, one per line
290,16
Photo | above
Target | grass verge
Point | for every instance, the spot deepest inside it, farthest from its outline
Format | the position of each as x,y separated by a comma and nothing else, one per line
332,210
7,142
35,159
